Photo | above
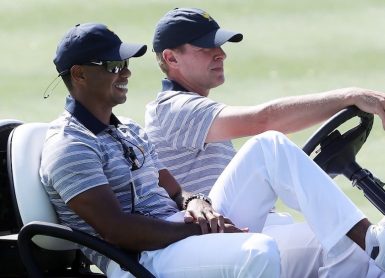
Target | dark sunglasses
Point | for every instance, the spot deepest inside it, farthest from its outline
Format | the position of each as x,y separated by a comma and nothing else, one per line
111,66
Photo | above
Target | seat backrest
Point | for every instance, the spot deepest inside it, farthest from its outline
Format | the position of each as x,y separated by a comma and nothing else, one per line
25,146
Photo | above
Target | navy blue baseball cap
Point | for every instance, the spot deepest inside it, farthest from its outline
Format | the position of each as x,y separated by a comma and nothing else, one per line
193,26
90,42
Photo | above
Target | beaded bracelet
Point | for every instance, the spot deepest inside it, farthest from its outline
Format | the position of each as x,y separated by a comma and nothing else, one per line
199,196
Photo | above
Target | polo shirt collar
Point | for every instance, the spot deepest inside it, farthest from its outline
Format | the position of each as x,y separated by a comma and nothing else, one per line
169,85
84,116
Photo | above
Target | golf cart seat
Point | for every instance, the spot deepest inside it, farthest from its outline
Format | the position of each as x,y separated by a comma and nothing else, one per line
40,232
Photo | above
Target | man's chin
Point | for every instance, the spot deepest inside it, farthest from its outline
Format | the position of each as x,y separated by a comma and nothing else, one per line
219,83
122,99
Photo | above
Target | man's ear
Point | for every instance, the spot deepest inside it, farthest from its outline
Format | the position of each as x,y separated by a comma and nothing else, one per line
170,58
77,73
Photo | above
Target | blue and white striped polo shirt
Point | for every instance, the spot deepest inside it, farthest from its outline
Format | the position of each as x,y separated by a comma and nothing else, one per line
177,122
80,153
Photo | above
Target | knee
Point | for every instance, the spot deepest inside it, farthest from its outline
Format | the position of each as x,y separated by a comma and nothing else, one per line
271,135
271,138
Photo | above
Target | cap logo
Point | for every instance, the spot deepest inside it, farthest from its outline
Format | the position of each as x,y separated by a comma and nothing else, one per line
207,16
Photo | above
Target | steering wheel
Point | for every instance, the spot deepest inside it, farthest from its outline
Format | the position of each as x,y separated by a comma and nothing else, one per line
336,151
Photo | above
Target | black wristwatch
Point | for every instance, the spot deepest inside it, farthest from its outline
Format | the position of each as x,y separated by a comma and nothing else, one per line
196,196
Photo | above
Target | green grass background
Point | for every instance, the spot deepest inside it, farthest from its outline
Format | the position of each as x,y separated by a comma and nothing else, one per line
289,47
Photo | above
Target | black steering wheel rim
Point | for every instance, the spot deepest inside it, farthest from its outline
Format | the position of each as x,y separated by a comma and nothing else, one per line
337,151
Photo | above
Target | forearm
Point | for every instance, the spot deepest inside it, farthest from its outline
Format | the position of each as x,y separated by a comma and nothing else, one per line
137,232
99,207
174,190
181,197
287,115
295,113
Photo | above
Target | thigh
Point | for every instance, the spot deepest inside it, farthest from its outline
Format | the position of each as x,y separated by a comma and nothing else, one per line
216,255
243,192
247,189
268,166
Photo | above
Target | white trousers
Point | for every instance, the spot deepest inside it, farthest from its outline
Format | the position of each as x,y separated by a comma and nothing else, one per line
212,255
269,166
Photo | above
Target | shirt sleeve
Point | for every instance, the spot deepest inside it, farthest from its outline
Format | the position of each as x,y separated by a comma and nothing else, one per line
73,166
185,120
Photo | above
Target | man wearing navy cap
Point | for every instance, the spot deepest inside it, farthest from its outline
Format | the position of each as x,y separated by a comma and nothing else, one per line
192,135
103,176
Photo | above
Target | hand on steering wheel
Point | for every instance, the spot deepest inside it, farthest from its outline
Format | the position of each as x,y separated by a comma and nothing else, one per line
337,151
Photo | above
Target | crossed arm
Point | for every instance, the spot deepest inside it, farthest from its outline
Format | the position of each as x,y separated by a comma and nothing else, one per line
100,209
